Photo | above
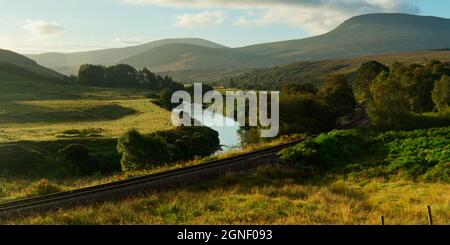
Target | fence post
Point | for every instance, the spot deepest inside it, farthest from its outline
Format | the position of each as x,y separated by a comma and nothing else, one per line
382,220
430,217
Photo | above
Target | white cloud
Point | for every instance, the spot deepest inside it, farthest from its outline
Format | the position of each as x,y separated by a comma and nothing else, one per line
42,28
315,16
201,19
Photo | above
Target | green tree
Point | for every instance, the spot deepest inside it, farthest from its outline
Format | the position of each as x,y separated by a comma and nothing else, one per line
92,75
304,113
365,75
441,93
148,79
388,105
338,95
122,75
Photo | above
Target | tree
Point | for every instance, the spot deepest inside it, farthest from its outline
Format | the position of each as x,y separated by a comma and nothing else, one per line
441,93
121,75
365,75
148,79
304,113
92,75
416,83
388,106
338,95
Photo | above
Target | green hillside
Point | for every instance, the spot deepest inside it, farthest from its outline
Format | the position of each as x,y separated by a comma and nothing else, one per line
317,71
175,57
365,35
70,62
13,61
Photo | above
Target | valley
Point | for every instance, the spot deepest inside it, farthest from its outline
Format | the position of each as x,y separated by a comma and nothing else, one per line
79,119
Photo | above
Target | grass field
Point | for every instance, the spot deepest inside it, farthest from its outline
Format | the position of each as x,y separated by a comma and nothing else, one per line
47,116
51,119
39,110
274,194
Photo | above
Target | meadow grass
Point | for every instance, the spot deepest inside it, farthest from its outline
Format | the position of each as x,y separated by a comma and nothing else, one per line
273,194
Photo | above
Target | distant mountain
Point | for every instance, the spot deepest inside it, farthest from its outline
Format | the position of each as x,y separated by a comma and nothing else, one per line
195,59
14,62
69,62
176,57
364,35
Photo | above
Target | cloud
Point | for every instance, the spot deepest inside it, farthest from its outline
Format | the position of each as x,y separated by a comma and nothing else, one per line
42,28
201,19
315,16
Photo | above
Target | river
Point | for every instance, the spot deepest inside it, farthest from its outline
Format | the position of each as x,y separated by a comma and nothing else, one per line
228,135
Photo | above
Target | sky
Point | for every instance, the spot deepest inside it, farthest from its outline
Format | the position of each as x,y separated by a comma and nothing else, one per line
38,26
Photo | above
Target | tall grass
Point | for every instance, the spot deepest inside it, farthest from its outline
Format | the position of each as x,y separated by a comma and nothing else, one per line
275,194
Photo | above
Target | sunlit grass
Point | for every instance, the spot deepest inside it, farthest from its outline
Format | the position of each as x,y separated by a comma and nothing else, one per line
270,195
81,115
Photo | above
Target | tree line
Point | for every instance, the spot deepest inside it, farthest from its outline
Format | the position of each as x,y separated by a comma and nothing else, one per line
122,75
405,96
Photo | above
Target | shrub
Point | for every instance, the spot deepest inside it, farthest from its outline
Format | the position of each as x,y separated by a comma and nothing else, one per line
187,142
326,150
139,151
77,159
418,154
184,143
19,160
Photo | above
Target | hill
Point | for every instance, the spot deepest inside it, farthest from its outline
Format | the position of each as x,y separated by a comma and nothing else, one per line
70,62
317,71
364,35
16,63
175,57
192,59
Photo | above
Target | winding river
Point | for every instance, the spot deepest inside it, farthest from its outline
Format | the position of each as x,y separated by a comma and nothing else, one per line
228,135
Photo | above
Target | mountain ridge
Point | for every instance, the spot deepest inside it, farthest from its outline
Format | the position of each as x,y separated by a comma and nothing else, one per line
110,56
15,62
370,34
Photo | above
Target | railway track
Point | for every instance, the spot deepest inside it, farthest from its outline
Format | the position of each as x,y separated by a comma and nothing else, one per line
88,194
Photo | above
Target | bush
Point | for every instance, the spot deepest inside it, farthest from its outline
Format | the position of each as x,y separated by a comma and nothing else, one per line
18,160
140,152
418,154
188,142
326,150
184,143
77,159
